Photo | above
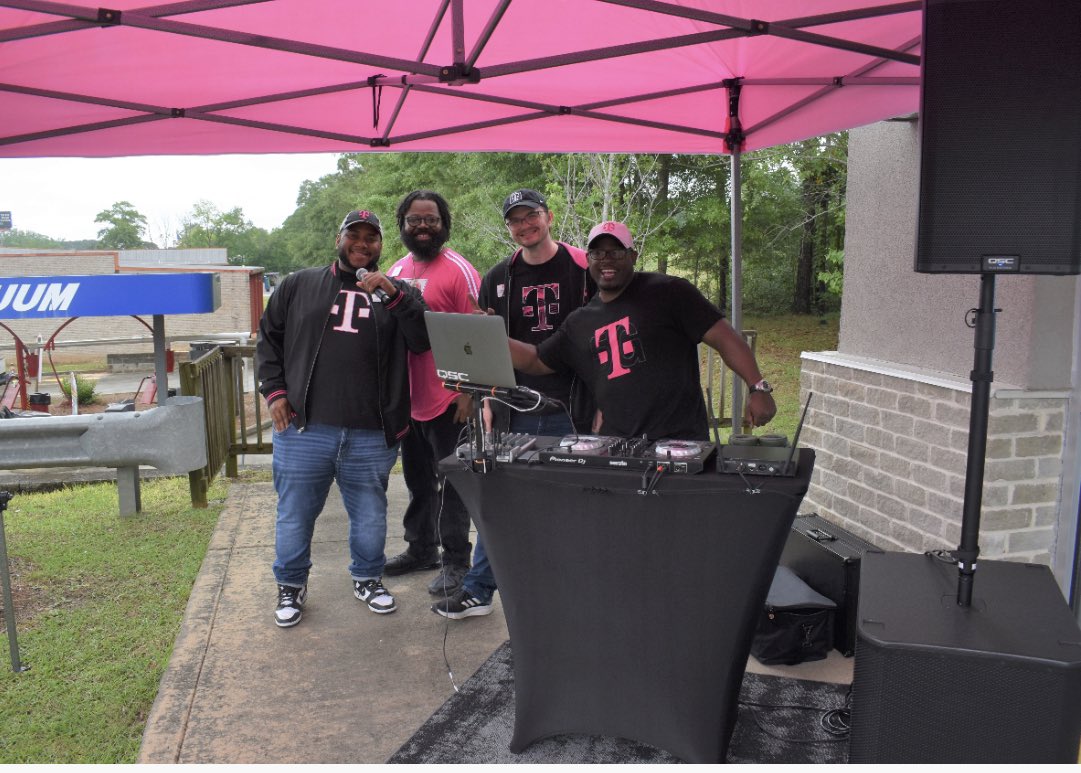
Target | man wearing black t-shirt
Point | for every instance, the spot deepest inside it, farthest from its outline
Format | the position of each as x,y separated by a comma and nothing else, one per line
636,346
533,290
332,352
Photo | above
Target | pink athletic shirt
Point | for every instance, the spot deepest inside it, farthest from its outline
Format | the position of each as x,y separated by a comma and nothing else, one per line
447,284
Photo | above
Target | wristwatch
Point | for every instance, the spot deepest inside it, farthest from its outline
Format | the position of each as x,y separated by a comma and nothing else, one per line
761,386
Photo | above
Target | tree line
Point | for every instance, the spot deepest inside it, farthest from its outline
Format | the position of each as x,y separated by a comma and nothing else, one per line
678,207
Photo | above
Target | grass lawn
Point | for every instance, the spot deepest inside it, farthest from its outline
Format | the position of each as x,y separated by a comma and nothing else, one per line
99,600
780,340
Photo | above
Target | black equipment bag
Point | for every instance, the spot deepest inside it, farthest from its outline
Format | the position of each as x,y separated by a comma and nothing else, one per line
796,625
828,559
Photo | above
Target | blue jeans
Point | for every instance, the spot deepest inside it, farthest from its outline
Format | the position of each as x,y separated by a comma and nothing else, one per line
305,464
480,581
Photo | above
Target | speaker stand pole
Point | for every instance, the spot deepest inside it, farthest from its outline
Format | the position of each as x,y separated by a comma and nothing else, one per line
981,376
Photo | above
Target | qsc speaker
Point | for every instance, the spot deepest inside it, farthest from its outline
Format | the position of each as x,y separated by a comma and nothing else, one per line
997,681
1000,137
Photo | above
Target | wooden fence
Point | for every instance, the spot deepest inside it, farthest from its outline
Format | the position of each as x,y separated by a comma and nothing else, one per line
232,426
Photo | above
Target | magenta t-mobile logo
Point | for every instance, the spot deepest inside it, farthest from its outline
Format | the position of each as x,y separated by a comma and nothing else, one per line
539,301
349,309
618,343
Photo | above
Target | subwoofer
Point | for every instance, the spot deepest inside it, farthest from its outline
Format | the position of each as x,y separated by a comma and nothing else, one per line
1000,118
998,681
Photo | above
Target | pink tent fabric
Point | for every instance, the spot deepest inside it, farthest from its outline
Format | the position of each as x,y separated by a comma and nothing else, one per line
246,76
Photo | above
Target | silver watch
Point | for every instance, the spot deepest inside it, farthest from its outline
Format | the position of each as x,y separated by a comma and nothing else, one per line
761,386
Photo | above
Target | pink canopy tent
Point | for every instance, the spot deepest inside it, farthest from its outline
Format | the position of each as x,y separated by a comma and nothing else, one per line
289,76
292,76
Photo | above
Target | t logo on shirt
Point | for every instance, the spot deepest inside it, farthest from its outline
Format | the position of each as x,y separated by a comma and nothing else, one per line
535,304
350,305
617,343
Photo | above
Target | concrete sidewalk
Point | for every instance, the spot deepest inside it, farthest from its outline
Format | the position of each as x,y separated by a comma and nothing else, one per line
343,686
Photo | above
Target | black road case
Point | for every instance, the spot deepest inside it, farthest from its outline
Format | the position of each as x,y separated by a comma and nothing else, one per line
827,558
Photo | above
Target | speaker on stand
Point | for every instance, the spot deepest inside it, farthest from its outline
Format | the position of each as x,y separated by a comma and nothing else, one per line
951,669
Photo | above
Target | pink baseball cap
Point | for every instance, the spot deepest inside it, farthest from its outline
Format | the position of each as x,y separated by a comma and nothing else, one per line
611,228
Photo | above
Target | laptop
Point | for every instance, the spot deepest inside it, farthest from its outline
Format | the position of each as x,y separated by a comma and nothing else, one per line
470,347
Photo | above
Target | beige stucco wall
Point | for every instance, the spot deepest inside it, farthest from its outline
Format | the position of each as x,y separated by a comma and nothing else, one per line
890,416
892,313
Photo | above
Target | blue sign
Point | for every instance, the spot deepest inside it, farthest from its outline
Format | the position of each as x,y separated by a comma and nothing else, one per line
108,295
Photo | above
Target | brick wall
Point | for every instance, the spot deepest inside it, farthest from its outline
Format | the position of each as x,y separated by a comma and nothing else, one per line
892,450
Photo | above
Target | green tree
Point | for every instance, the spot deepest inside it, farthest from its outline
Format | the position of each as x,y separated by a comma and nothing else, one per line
679,207
207,226
28,239
125,227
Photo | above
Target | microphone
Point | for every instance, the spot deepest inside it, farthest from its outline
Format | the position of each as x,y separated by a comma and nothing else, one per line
516,394
379,292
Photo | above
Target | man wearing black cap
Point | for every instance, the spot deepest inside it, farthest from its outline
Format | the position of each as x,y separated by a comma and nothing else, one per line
332,353
533,290
636,345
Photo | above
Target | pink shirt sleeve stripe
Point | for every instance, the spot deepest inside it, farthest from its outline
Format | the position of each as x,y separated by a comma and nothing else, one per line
472,278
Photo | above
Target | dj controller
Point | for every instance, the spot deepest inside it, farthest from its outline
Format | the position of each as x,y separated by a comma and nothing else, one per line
670,456
637,454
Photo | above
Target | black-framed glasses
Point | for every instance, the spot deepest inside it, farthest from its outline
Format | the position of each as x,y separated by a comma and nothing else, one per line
532,218
620,254
432,221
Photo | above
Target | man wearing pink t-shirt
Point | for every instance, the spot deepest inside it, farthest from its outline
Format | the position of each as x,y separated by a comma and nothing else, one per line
436,515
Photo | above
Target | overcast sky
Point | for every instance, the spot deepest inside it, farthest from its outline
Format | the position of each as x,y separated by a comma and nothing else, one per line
59,197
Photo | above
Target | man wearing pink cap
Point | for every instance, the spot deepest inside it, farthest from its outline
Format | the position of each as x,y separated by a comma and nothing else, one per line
636,345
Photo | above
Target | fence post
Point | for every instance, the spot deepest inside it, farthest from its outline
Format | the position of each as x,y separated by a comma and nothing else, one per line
235,370
197,481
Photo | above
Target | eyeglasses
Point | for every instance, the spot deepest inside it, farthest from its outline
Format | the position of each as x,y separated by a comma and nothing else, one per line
620,254
532,218
429,220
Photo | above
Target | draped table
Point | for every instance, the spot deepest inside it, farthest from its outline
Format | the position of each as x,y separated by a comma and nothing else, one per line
630,614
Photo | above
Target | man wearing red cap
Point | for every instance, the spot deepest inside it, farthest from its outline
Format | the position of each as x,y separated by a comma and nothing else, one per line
332,350
636,345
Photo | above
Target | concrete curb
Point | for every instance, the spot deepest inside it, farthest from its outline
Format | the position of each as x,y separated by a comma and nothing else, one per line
168,720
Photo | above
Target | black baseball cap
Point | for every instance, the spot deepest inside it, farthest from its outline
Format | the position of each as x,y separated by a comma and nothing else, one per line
523,197
361,216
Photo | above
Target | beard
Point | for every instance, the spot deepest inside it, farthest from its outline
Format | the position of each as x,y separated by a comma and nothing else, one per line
425,250
349,268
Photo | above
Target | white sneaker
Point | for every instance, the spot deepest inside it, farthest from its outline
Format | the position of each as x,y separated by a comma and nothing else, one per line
290,605
372,593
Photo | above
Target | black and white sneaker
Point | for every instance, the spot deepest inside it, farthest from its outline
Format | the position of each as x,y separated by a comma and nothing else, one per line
372,593
462,604
290,605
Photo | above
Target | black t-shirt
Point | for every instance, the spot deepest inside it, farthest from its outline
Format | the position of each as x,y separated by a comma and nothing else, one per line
539,298
639,354
344,389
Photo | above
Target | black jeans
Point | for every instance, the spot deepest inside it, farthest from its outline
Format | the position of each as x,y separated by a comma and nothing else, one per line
428,525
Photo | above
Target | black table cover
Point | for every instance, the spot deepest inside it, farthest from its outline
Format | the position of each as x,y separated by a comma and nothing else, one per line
630,614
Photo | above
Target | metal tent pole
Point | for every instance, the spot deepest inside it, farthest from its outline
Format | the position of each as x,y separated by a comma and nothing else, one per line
737,284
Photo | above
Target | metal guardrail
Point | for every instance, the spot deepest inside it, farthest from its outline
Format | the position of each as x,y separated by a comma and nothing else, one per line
231,429
167,437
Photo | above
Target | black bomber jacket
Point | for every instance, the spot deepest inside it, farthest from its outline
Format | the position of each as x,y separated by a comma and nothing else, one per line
291,331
